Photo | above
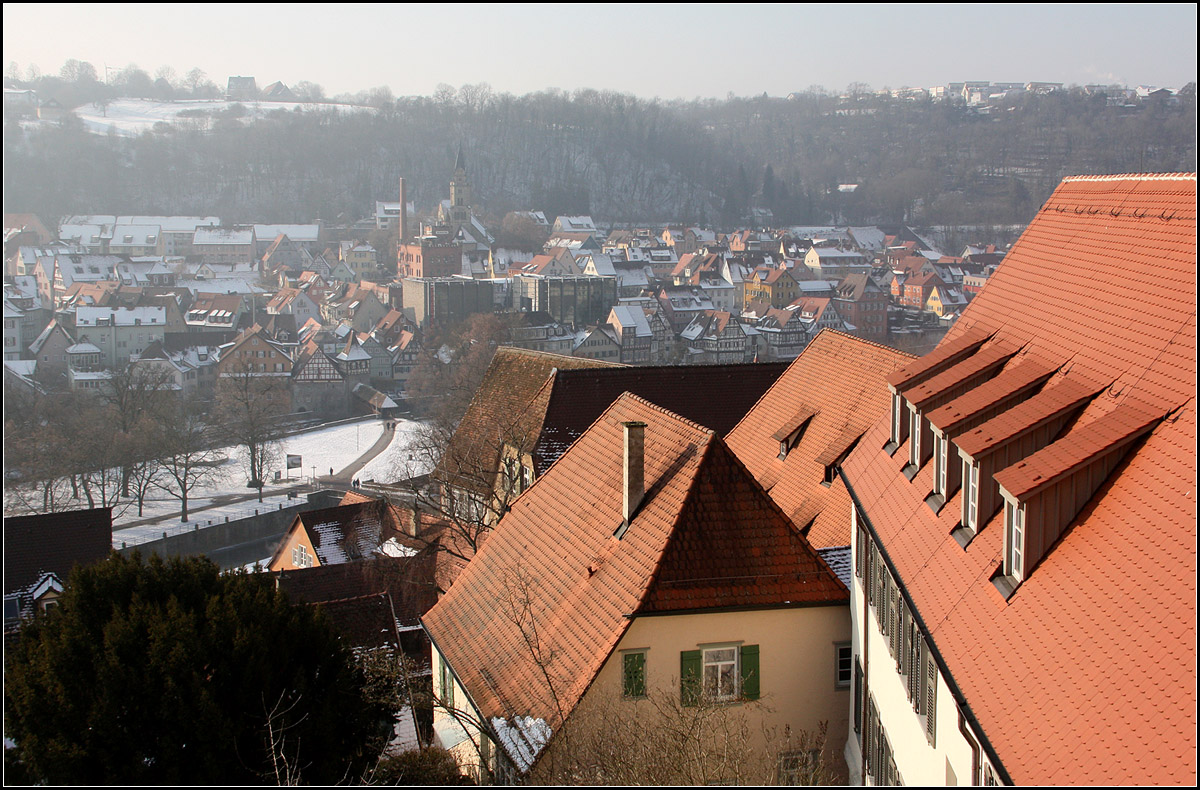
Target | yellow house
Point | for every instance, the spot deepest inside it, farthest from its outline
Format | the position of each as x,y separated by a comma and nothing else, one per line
645,577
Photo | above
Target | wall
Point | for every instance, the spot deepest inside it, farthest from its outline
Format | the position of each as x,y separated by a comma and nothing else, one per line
917,762
797,668
235,543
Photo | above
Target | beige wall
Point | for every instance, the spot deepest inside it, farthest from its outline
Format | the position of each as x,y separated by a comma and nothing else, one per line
282,561
797,669
918,762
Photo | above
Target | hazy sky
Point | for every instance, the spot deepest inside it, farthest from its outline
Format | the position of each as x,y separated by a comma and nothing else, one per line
666,51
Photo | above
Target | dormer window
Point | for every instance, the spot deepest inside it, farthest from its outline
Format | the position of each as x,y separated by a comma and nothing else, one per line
970,514
899,423
1014,540
941,450
914,446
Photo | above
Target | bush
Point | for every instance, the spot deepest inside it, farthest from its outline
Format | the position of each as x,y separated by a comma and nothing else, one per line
432,766
170,673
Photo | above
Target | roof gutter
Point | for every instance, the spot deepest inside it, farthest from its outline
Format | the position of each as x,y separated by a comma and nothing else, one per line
955,691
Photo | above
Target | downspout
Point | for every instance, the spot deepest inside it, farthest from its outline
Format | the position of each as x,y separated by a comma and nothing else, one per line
864,703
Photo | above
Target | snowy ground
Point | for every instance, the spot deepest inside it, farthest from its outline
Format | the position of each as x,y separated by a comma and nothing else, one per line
131,117
335,447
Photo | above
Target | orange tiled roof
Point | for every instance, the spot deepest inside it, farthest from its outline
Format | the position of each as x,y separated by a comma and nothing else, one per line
840,380
705,537
1086,674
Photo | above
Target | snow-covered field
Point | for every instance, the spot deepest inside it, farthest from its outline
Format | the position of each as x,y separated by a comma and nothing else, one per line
335,447
131,117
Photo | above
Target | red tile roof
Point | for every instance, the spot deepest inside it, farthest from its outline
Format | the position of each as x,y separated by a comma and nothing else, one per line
839,379
705,536
1086,674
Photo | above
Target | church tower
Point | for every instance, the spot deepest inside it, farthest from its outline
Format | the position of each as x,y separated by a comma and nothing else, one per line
460,192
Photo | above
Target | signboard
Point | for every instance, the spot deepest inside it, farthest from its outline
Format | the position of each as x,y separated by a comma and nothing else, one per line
293,461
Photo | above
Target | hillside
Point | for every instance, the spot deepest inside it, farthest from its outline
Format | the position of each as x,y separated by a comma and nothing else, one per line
620,158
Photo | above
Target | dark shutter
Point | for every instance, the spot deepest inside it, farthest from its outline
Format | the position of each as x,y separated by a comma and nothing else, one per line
634,680
689,677
931,697
750,674
858,696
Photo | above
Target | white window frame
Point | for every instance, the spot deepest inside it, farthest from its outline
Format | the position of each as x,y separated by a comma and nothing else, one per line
706,660
843,653
970,514
300,556
1014,539
914,437
897,417
941,464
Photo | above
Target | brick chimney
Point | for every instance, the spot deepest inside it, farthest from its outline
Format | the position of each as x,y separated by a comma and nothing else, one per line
634,468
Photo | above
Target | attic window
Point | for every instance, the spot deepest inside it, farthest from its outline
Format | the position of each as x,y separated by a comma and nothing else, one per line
790,433
899,424
970,504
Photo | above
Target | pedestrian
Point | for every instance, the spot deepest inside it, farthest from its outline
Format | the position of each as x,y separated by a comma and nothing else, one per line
331,471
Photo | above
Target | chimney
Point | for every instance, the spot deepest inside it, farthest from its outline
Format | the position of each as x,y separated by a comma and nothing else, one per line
634,466
403,219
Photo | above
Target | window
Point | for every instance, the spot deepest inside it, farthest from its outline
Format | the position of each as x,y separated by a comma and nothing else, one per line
940,445
970,495
633,674
720,674
724,673
447,683
843,665
800,768
300,556
899,424
1014,539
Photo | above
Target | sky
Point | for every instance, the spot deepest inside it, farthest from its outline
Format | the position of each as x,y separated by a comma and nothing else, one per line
676,51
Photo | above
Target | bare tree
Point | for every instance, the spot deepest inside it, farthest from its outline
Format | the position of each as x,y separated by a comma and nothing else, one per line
136,397
187,457
248,408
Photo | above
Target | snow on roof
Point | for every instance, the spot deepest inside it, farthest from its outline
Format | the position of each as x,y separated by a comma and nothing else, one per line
83,348
216,235
293,232
838,560
632,316
523,739
154,315
139,235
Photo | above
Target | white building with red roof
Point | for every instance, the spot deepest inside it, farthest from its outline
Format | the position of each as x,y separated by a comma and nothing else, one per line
1024,588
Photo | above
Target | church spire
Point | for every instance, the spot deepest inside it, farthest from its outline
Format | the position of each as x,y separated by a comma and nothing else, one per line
459,164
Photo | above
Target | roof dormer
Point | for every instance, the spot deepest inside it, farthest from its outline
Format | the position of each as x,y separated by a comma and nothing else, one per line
1009,437
1044,493
790,432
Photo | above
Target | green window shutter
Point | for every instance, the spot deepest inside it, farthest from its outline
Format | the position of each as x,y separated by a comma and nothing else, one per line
750,673
634,679
689,677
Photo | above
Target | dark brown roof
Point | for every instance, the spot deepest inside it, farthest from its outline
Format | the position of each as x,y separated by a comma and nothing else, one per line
501,410
408,580
715,396
53,543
